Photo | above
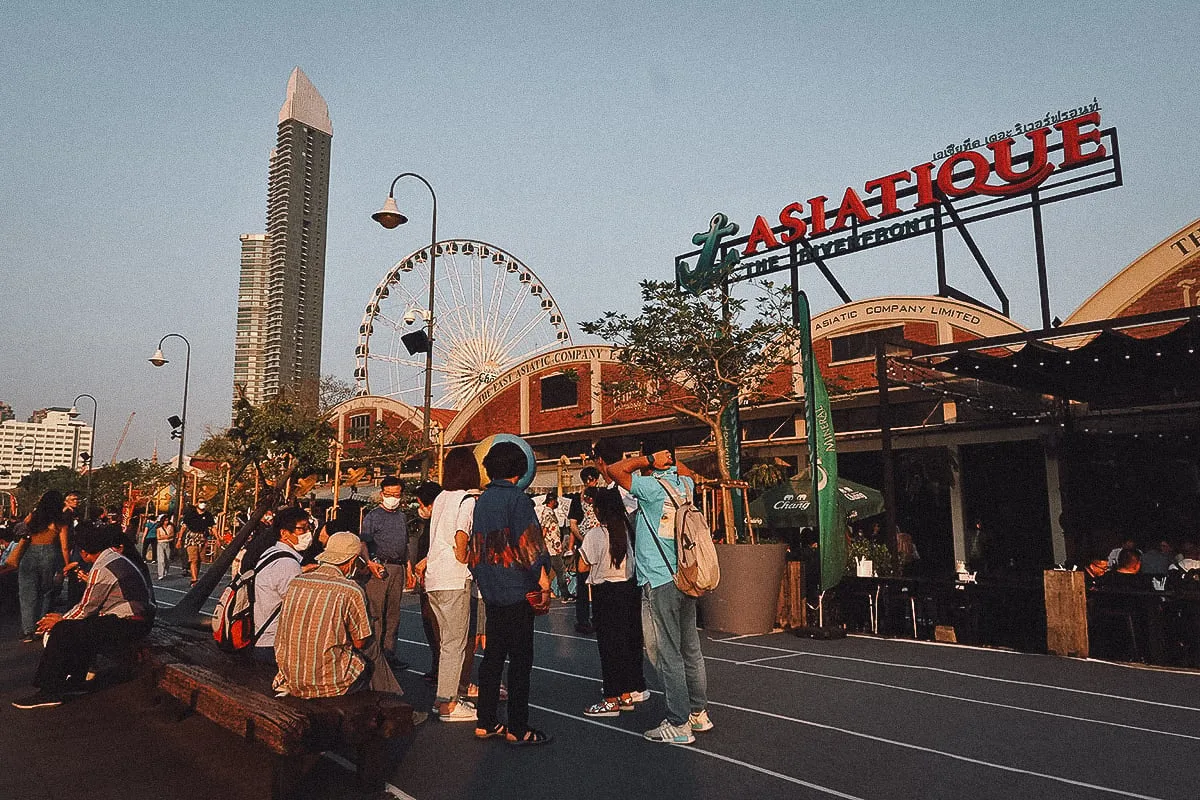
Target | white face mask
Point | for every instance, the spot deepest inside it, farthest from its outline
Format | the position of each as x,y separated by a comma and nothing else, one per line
391,503
304,541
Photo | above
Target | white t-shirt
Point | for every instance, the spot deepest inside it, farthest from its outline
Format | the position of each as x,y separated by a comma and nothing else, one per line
595,553
270,586
452,511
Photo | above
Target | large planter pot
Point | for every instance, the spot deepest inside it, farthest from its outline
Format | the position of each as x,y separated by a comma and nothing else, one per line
747,598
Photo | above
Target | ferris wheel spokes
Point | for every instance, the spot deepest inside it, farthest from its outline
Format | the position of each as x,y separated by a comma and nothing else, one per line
484,322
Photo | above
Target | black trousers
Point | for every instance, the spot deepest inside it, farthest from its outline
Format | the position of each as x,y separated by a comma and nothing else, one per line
509,635
583,603
618,611
74,643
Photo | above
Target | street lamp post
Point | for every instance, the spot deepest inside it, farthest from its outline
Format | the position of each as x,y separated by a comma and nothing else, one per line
20,448
158,360
390,217
89,459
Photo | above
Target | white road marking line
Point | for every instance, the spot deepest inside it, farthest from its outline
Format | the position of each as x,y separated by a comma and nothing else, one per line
757,660
895,687
927,643
944,671
943,753
735,638
857,734
709,753
394,791
567,636
959,698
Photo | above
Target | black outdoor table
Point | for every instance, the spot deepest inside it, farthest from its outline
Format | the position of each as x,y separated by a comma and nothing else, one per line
1006,612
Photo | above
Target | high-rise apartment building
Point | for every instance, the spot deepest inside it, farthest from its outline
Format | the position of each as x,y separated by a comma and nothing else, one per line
249,355
51,438
282,289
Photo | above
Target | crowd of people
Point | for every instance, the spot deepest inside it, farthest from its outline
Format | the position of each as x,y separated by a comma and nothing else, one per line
1157,564
326,606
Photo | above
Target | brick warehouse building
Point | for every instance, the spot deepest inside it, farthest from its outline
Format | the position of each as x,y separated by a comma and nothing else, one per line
1046,475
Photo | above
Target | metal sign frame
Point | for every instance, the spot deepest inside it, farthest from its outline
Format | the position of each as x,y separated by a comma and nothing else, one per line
1064,183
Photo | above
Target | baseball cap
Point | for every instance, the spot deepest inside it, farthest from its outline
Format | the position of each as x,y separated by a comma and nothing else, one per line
340,548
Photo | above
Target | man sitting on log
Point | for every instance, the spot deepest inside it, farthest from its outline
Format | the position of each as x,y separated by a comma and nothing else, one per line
324,644
117,609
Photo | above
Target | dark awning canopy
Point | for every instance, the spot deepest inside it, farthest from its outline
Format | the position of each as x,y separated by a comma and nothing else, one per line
1112,369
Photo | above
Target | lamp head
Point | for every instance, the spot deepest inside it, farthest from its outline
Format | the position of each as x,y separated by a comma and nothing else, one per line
389,216
73,412
158,359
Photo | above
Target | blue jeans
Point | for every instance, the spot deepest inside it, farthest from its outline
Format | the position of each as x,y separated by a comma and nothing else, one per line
37,582
673,646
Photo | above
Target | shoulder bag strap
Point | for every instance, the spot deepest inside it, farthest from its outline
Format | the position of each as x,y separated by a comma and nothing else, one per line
677,499
262,564
267,624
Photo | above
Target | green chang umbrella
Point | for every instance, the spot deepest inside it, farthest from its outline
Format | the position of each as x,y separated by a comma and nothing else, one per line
787,505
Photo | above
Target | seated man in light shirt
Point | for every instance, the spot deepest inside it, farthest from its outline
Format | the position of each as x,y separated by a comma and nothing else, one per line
276,568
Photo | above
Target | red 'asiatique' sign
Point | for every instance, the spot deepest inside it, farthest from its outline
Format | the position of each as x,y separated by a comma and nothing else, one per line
993,172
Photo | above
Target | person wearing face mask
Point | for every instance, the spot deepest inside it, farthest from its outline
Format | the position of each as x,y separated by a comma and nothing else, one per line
273,571
385,532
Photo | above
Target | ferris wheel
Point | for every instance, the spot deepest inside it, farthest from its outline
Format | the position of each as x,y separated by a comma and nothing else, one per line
490,313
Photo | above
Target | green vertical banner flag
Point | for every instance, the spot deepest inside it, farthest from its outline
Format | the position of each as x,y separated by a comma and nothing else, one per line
822,449
731,426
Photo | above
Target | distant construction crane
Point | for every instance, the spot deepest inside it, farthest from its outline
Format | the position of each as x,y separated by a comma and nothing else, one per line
121,441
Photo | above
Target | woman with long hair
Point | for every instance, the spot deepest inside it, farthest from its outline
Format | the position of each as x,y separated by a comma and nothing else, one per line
46,553
448,581
616,603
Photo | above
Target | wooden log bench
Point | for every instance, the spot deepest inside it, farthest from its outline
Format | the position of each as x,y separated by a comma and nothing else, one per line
236,695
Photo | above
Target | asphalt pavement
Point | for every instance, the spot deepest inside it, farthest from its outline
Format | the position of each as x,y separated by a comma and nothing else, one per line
794,718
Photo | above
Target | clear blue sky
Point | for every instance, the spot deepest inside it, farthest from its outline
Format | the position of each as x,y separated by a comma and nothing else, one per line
591,140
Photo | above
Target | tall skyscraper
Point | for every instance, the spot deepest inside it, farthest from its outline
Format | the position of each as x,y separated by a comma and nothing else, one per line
282,289
249,356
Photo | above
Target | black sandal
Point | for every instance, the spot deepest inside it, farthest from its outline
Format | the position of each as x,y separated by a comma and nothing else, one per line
532,737
487,733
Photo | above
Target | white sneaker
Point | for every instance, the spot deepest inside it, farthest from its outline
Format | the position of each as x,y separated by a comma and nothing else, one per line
462,712
639,697
670,734
700,722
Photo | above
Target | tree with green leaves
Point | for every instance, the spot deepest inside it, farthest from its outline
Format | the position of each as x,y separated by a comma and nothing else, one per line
695,356
111,484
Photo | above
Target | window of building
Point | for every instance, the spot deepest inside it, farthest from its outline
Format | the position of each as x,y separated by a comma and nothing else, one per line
559,391
360,427
862,345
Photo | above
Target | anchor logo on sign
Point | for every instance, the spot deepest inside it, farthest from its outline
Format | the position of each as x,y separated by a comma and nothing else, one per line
707,272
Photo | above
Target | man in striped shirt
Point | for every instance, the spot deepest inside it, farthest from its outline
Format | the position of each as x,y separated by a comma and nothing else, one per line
324,643
116,610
